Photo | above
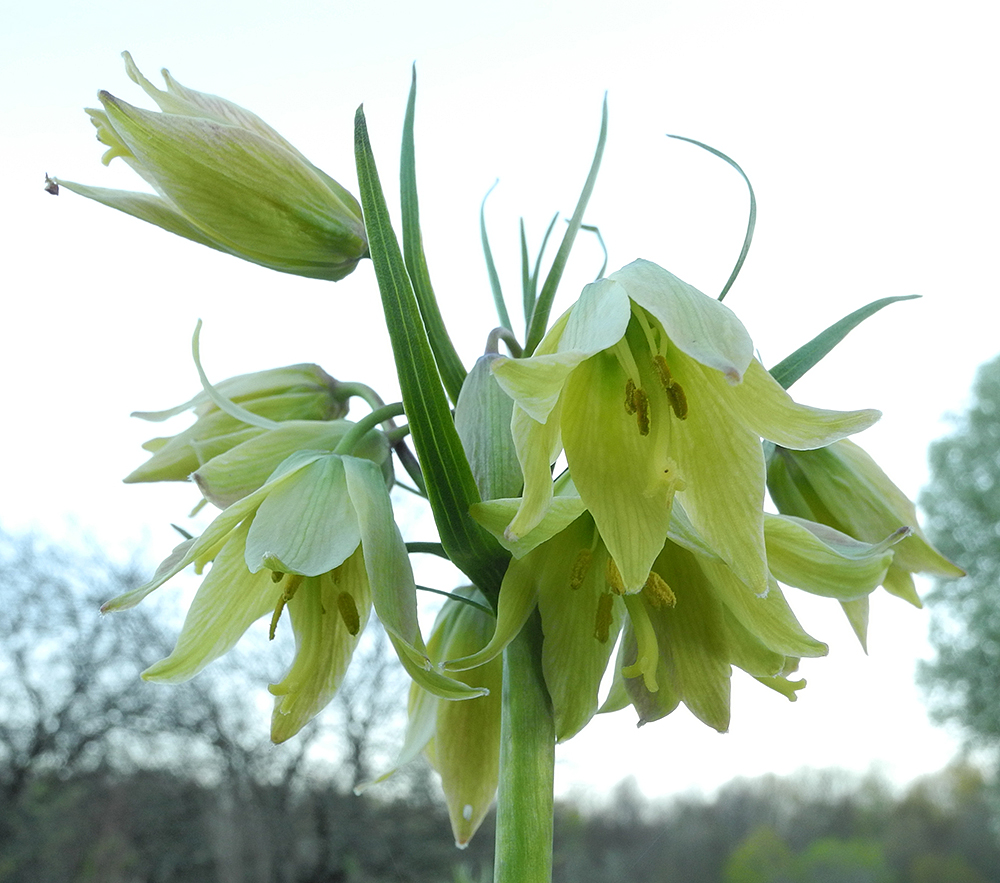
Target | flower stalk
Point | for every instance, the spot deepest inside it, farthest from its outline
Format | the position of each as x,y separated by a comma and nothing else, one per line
527,764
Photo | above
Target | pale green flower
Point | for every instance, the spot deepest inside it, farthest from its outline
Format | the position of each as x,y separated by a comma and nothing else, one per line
693,620
652,390
226,179
461,739
319,537
293,393
843,487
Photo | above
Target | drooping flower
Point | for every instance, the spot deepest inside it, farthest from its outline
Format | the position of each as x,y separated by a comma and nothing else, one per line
318,537
691,622
461,739
652,390
226,179
843,487
293,393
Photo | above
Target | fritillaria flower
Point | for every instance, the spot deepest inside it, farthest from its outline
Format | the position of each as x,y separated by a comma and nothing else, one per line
224,178
652,390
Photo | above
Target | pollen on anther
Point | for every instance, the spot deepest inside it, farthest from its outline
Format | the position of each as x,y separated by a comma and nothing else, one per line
580,568
630,396
657,592
663,372
678,401
642,411
613,577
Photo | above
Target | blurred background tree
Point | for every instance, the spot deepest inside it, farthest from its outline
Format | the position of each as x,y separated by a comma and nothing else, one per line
962,502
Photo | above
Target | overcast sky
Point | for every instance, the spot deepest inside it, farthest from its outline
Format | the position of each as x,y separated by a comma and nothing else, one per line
867,128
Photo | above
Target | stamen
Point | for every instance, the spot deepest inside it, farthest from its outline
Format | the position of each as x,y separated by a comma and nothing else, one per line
657,592
642,411
349,612
613,577
602,625
663,372
581,566
641,318
674,391
624,356
629,396
291,586
678,401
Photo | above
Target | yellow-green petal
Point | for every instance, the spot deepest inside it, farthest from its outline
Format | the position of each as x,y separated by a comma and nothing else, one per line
620,474
324,643
496,515
307,524
229,600
772,413
698,325
822,560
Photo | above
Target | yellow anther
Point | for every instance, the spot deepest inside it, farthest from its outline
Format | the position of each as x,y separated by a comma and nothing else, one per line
657,592
630,396
613,578
291,585
678,401
349,612
642,411
580,568
602,626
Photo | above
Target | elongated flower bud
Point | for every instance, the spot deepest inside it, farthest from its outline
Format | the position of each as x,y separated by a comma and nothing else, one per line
226,179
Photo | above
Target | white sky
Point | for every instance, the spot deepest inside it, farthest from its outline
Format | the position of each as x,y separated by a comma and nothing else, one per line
867,129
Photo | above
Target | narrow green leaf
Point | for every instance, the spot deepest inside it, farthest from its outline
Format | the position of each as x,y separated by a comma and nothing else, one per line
450,365
543,306
528,296
753,210
451,489
792,367
531,286
491,267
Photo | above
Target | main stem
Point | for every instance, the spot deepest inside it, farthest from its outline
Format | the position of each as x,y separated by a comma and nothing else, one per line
527,763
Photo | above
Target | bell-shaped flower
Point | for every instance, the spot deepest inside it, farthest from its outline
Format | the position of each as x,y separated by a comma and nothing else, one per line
461,739
226,179
843,487
293,393
693,620
319,537
652,390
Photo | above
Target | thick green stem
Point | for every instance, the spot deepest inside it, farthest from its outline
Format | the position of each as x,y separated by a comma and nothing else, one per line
527,763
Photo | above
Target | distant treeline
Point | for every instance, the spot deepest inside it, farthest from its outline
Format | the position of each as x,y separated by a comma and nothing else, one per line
822,827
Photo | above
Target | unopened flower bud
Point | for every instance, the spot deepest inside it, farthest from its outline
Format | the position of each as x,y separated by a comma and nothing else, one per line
226,179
